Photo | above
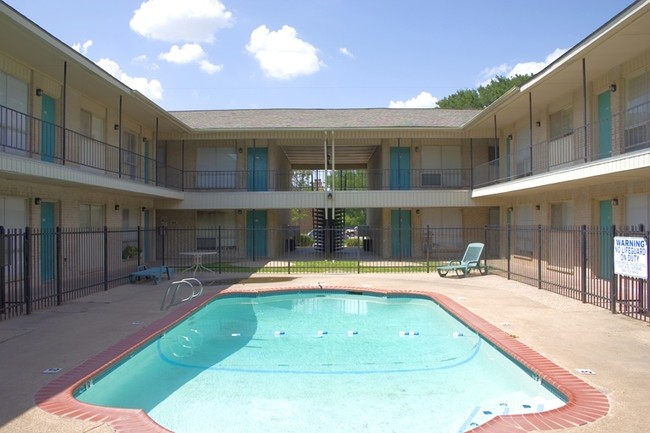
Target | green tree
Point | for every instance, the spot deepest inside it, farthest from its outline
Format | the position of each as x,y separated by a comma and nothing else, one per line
484,95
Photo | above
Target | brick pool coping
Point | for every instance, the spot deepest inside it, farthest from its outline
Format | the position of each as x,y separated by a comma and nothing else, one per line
584,403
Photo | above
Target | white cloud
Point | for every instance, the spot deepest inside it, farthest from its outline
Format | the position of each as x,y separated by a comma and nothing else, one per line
519,69
423,100
346,52
150,88
282,54
210,68
188,53
187,20
83,48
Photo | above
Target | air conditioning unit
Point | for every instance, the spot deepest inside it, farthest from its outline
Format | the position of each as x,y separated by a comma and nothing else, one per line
431,179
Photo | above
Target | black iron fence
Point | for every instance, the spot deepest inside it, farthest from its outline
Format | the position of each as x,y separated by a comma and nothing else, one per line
43,268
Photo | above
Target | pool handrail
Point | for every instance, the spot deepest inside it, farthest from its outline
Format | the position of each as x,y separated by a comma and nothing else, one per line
196,291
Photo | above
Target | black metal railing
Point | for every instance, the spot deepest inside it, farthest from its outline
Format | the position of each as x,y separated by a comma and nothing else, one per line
44,268
623,132
30,137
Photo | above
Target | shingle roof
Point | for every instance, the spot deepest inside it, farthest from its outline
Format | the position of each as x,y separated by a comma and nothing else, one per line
365,118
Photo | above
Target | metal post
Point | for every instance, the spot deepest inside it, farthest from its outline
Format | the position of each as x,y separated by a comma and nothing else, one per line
27,254
59,271
539,256
105,258
219,249
614,279
583,264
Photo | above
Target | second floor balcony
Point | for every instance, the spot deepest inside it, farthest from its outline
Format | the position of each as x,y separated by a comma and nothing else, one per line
620,134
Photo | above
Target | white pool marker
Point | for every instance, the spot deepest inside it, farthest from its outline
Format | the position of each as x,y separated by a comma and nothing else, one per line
321,333
584,371
353,333
52,370
236,334
279,333
458,334
409,333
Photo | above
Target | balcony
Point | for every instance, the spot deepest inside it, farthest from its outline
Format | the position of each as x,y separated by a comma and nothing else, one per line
624,133
339,180
26,136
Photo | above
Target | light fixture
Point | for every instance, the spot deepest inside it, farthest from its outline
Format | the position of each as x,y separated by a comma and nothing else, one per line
614,201
37,201
417,211
330,196
240,150
510,209
417,149
612,87
144,139
143,209
538,123
239,211
537,207
116,127
510,137
39,92
117,207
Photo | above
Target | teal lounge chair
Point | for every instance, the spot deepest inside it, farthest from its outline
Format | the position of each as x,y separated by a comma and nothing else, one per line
471,260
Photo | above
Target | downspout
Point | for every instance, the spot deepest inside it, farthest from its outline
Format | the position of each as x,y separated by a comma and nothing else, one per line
63,111
584,106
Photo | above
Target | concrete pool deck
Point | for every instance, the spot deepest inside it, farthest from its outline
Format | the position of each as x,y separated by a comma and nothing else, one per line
571,334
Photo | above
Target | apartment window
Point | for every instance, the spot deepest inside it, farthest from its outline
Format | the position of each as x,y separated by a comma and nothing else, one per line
523,235
91,216
560,146
561,215
216,167
13,110
214,229
637,210
441,166
637,115
129,234
129,155
523,156
91,152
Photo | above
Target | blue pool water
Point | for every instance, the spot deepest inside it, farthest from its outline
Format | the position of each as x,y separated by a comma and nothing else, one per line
320,362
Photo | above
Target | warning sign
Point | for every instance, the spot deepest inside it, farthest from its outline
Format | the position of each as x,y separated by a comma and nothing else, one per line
631,257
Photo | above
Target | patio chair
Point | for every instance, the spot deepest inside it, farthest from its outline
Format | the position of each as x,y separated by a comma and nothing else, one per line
471,261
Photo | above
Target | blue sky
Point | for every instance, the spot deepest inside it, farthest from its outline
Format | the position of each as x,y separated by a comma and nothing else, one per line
241,54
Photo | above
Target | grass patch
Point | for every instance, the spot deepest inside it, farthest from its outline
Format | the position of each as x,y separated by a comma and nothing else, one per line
326,266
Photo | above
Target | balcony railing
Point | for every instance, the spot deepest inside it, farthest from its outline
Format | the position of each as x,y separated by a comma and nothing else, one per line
340,180
624,132
30,137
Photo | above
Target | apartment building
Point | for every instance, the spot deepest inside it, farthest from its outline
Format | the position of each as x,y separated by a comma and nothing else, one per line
569,147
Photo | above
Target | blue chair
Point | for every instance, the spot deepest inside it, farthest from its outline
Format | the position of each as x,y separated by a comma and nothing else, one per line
471,261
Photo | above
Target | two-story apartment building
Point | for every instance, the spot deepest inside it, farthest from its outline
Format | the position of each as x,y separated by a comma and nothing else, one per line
570,147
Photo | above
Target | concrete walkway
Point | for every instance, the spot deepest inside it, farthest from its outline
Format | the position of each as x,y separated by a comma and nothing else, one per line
571,334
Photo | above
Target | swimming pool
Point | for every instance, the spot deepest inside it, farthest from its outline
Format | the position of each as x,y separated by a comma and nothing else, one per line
376,361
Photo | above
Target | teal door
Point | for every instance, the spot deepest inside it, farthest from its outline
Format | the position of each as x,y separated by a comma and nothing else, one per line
256,233
47,241
400,168
604,125
48,128
257,166
400,233
606,240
